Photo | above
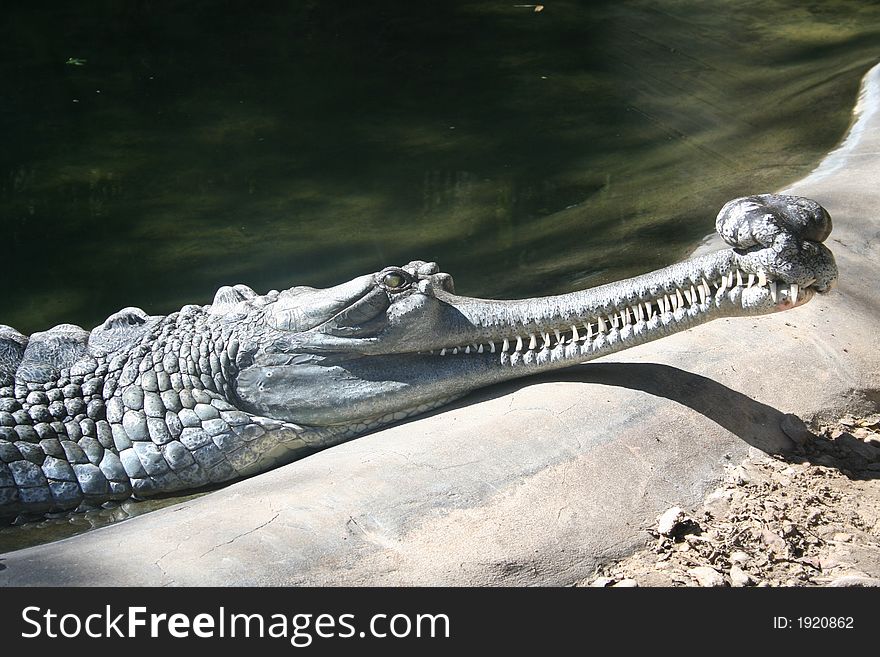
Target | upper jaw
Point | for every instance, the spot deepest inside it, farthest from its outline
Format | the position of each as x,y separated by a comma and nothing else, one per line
724,283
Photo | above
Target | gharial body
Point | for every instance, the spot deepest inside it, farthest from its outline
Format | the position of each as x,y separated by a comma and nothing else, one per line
145,405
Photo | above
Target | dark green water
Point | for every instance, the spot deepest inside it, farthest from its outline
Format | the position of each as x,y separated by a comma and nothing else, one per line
208,143
153,151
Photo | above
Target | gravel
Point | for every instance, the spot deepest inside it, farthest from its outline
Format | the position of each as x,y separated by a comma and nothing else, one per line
810,518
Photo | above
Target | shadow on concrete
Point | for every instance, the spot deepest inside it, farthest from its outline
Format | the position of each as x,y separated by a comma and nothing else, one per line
759,425
754,422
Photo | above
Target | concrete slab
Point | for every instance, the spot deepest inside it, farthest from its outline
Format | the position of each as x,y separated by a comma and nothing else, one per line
535,482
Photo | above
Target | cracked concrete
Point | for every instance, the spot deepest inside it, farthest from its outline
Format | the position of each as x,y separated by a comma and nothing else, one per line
238,536
535,482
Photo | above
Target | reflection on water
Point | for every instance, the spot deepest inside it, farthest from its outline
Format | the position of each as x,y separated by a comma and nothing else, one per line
153,153
528,153
65,525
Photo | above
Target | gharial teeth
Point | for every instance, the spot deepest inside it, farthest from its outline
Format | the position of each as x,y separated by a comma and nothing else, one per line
533,343
492,347
558,335
706,287
546,338
773,291
519,344
443,351
751,280
575,336
793,292
454,351
467,349
506,345
601,322
480,349
762,278
703,294
739,278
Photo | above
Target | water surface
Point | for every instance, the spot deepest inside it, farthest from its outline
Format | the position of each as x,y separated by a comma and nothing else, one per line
152,153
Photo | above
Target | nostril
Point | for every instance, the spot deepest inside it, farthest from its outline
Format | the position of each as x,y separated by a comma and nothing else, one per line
444,282
759,220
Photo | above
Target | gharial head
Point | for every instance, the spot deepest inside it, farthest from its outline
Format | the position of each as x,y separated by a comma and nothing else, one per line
388,343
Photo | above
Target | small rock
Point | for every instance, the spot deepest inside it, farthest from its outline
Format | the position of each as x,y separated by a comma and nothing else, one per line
602,582
655,579
827,461
855,580
738,557
671,521
706,576
739,476
694,539
626,583
780,478
718,502
842,537
847,421
870,421
815,562
794,428
789,530
773,541
829,562
863,449
739,577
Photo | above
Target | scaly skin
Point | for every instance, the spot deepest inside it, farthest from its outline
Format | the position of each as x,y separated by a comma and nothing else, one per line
143,405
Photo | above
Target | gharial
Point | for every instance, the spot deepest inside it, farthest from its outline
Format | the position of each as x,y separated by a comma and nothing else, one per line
145,405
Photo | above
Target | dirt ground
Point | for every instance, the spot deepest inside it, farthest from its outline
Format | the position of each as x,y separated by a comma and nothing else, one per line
810,518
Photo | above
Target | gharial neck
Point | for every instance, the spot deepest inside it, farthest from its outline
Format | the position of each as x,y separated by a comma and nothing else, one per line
192,348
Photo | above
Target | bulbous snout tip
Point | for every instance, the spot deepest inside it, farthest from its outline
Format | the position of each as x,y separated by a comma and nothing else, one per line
762,219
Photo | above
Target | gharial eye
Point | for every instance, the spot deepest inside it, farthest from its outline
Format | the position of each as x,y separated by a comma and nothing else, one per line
395,280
